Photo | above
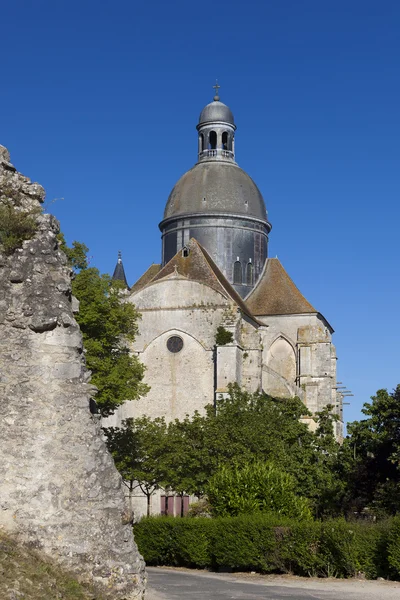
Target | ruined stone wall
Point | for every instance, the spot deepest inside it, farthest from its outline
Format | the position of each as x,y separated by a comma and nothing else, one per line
59,488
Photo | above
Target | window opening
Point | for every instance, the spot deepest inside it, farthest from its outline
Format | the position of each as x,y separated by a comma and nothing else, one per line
249,274
201,139
175,344
225,140
213,140
237,272
185,252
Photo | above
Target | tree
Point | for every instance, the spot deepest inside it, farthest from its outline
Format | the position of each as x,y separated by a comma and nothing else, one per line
248,427
255,487
108,324
138,448
372,457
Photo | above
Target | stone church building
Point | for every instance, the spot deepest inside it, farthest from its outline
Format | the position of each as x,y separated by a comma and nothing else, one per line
215,272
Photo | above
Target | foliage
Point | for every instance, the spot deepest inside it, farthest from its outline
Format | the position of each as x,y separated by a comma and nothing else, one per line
201,508
177,542
255,487
223,336
247,427
16,226
76,255
371,458
188,461
244,428
138,448
271,543
26,573
394,548
107,324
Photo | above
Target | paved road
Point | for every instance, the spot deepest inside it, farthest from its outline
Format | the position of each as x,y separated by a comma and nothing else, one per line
170,584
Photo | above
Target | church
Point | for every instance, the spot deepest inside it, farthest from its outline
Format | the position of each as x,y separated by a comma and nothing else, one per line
217,309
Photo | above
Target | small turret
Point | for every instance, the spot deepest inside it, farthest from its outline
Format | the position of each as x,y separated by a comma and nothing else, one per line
119,271
216,129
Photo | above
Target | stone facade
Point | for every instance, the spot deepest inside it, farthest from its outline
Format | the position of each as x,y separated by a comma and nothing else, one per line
215,272
59,488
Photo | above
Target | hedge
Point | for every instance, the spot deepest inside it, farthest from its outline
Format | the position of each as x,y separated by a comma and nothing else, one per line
269,544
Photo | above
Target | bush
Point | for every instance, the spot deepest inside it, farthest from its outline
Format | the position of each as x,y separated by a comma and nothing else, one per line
245,543
394,547
174,541
223,336
255,487
273,544
15,227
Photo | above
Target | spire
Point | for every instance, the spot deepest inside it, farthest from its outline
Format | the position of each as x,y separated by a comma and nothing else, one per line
119,271
216,88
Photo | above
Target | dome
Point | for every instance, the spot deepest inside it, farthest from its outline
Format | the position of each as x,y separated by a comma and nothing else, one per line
216,111
216,187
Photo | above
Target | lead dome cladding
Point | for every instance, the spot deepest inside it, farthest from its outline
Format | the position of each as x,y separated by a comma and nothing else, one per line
216,112
216,187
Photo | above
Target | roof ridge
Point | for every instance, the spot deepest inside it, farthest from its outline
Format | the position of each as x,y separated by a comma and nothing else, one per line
234,295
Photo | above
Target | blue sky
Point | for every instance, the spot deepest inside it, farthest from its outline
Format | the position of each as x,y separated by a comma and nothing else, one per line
99,103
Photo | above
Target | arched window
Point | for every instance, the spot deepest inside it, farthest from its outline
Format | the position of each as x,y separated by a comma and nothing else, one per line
225,140
213,140
201,142
237,272
249,274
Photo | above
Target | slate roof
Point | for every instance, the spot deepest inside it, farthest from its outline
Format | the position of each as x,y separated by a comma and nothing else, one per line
146,278
276,294
119,271
219,187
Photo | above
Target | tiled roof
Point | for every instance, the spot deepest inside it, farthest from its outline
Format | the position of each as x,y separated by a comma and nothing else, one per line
276,294
146,278
199,266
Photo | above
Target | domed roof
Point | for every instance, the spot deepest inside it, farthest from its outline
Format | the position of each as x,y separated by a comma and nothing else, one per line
216,111
216,187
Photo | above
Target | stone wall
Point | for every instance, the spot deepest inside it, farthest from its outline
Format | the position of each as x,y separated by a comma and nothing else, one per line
59,488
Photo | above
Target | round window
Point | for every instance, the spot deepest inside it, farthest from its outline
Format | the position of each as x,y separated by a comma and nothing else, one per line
175,343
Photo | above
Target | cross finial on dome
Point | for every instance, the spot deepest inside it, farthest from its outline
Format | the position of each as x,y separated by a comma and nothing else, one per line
216,88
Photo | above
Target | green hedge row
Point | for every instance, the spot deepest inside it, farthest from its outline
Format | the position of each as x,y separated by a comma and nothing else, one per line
266,544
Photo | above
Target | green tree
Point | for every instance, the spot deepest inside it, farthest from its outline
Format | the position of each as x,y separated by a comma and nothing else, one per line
255,487
371,454
76,254
108,324
247,427
138,448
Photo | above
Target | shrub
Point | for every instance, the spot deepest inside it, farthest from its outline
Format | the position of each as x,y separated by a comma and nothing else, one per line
255,487
154,537
272,543
394,547
192,539
245,543
223,336
15,227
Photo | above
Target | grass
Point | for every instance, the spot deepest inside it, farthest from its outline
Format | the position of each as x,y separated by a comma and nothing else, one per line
26,574
16,226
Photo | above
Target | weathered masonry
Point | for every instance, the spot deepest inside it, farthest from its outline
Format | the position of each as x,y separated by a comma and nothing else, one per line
214,272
